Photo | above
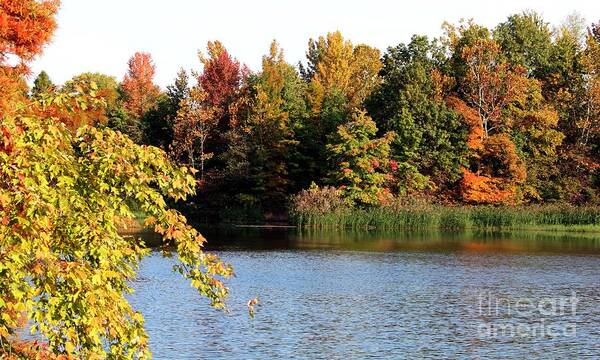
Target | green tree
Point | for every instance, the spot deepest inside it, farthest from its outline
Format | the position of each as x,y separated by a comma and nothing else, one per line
42,85
361,161
158,123
566,84
276,107
526,40
341,76
429,146
263,149
589,123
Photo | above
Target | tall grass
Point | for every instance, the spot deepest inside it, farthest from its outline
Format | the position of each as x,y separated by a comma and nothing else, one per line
423,217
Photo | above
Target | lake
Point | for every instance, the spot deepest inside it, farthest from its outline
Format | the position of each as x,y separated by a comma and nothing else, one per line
357,295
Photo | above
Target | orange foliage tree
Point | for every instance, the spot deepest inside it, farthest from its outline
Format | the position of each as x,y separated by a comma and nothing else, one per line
489,87
140,91
25,26
83,106
195,122
589,124
490,84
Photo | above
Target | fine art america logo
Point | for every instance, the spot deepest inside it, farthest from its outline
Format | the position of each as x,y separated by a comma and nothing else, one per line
527,317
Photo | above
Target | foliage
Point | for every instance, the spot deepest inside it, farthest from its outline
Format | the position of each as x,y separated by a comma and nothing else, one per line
498,116
25,26
430,144
361,161
139,90
66,277
74,109
195,122
157,123
342,68
262,154
221,79
526,40
42,84
270,127
490,84
221,75
589,122
106,87
491,89
317,201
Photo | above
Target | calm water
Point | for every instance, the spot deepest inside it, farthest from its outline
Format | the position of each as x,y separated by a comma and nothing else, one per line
370,295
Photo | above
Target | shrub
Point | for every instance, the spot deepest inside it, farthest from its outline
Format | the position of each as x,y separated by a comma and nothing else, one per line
317,201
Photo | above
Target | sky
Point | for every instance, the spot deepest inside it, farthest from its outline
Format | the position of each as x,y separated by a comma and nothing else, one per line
101,35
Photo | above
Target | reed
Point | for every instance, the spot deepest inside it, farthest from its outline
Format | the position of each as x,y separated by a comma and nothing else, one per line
420,217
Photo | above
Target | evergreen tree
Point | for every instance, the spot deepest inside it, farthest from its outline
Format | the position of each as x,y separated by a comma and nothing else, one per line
42,85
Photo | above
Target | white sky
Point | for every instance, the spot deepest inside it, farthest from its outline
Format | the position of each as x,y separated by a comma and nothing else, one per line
101,35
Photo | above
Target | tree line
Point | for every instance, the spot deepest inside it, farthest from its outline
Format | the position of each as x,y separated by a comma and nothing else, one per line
509,115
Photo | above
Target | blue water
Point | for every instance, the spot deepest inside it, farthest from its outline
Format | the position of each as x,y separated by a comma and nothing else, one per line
380,296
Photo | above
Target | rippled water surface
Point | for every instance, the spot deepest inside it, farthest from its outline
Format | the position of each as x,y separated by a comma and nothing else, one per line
371,295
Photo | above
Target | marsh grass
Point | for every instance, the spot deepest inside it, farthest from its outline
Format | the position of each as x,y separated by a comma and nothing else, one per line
422,217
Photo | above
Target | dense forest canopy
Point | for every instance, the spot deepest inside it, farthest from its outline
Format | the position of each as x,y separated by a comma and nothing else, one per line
502,116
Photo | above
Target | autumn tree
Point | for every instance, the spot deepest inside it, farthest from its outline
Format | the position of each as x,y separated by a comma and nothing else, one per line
341,76
267,143
74,109
341,68
489,86
106,85
221,79
221,75
556,59
589,122
67,278
455,39
107,88
361,161
138,87
196,121
64,278
502,105
25,27
100,106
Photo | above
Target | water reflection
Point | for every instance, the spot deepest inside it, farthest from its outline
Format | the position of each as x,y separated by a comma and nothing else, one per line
524,241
